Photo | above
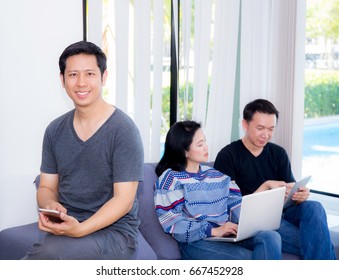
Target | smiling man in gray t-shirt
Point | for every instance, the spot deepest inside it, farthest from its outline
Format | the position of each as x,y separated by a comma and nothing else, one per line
92,161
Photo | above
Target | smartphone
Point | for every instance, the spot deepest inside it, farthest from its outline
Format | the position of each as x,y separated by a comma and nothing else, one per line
53,215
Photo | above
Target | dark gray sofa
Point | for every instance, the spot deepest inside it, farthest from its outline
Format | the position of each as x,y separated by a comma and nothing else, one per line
153,243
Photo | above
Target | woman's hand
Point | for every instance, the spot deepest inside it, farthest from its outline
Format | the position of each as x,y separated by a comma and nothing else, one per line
224,230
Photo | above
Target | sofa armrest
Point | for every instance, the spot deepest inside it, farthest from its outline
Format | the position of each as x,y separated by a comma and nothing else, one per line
163,244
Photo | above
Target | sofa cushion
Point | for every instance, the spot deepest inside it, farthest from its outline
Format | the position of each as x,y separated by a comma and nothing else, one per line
163,244
143,251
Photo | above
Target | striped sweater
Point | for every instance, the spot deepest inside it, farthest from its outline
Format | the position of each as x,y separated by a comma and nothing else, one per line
189,205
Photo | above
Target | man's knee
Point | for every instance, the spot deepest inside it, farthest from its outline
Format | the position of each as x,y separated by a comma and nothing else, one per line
271,237
313,208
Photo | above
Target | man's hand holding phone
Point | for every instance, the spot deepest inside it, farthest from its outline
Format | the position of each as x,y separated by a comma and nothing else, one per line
53,215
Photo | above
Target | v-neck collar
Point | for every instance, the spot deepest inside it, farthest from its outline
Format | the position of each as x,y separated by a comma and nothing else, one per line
78,139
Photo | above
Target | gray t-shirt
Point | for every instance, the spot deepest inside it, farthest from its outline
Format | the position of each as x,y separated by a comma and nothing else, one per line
87,170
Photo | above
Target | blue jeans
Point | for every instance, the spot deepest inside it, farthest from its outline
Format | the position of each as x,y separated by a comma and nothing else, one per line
304,231
266,245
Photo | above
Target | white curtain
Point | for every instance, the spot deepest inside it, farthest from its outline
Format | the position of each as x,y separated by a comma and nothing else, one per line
254,50
287,75
186,38
121,53
202,50
271,66
158,45
269,45
220,103
134,44
142,64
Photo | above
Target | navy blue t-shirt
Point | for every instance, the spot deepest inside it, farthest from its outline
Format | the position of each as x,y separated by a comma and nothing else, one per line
249,171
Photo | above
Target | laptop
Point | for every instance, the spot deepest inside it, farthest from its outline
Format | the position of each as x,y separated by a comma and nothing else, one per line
302,183
259,211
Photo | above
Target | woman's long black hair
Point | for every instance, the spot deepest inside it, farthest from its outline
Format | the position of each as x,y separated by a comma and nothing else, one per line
178,139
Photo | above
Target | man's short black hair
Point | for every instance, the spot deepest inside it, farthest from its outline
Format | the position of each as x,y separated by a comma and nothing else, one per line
83,47
261,106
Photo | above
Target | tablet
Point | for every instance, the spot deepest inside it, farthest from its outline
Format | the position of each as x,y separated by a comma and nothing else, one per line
302,183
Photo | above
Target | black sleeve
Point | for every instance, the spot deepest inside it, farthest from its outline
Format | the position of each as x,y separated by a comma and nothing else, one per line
285,167
224,163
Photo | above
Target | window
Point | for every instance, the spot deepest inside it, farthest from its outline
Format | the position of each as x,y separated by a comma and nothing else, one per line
321,124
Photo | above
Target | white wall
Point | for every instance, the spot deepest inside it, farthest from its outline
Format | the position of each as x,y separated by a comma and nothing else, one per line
32,36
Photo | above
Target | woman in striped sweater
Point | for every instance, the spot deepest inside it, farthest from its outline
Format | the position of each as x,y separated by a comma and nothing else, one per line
195,201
